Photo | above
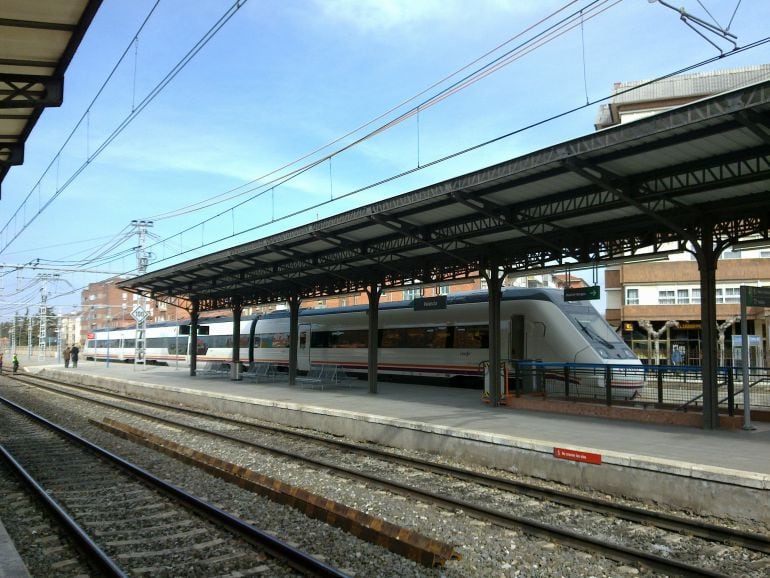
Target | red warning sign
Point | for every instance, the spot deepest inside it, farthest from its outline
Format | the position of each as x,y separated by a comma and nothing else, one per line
577,456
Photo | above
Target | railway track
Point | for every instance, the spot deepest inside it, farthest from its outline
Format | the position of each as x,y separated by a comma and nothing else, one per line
494,499
127,521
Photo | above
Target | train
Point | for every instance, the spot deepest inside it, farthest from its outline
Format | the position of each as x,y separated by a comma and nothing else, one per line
447,344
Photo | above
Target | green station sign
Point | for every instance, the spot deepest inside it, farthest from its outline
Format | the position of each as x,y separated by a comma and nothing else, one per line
581,293
758,296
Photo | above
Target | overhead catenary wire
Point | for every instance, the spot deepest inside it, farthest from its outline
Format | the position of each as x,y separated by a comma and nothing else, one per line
497,63
371,185
466,150
229,13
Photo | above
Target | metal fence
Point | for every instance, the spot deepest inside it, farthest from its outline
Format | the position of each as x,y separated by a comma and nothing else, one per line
670,387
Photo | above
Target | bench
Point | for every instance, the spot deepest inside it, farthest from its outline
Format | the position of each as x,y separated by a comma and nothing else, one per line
260,370
322,374
212,368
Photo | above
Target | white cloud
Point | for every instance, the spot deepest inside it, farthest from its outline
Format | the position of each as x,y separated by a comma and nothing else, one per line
379,15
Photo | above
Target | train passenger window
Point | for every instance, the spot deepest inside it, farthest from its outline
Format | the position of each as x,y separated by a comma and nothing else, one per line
351,338
280,340
319,339
471,337
419,337
391,338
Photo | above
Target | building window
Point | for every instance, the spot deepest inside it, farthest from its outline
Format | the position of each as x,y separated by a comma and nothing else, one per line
442,290
719,297
764,254
666,298
731,254
632,296
732,295
410,294
696,296
683,296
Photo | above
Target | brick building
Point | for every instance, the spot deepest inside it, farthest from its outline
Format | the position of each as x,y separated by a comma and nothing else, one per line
660,300
103,304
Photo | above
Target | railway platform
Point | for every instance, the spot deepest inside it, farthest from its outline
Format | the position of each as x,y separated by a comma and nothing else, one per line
725,473
11,564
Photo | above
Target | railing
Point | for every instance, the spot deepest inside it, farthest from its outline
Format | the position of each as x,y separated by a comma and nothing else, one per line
672,387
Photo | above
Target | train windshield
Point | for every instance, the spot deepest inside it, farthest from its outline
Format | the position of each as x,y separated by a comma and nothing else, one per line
597,329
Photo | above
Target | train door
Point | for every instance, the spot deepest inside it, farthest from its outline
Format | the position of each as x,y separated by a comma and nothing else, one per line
516,339
303,351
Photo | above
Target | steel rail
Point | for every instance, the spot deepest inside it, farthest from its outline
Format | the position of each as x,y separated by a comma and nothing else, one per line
574,539
752,541
297,559
95,556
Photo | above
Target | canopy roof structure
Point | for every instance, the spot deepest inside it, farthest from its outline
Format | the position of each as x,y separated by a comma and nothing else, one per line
700,168
39,39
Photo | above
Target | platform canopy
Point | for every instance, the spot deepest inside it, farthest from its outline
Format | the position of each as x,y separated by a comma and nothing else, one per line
600,197
37,41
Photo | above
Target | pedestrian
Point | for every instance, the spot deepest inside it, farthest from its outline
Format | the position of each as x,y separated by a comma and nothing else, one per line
15,363
1,363
67,352
74,351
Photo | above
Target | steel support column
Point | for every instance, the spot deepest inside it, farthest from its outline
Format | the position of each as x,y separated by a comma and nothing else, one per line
707,256
294,302
494,277
194,314
373,292
235,364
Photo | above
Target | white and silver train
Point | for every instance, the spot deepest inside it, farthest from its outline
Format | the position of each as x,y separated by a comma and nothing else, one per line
447,345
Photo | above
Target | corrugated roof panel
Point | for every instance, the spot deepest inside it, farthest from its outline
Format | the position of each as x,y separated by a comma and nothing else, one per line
695,85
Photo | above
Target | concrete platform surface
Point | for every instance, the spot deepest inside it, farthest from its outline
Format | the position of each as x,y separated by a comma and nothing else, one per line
688,467
11,565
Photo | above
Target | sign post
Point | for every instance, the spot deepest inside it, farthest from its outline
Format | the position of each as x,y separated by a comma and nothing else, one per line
750,297
140,316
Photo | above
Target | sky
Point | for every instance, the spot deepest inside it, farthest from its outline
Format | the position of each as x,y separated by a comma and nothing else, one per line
226,122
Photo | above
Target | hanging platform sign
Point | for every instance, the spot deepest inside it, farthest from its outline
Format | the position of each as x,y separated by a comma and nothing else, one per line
581,293
428,303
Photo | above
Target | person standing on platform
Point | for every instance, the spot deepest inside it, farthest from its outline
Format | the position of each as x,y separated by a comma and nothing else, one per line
74,352
15,363
1,363
66,354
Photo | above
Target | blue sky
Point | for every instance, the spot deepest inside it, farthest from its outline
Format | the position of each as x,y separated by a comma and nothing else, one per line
278,82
